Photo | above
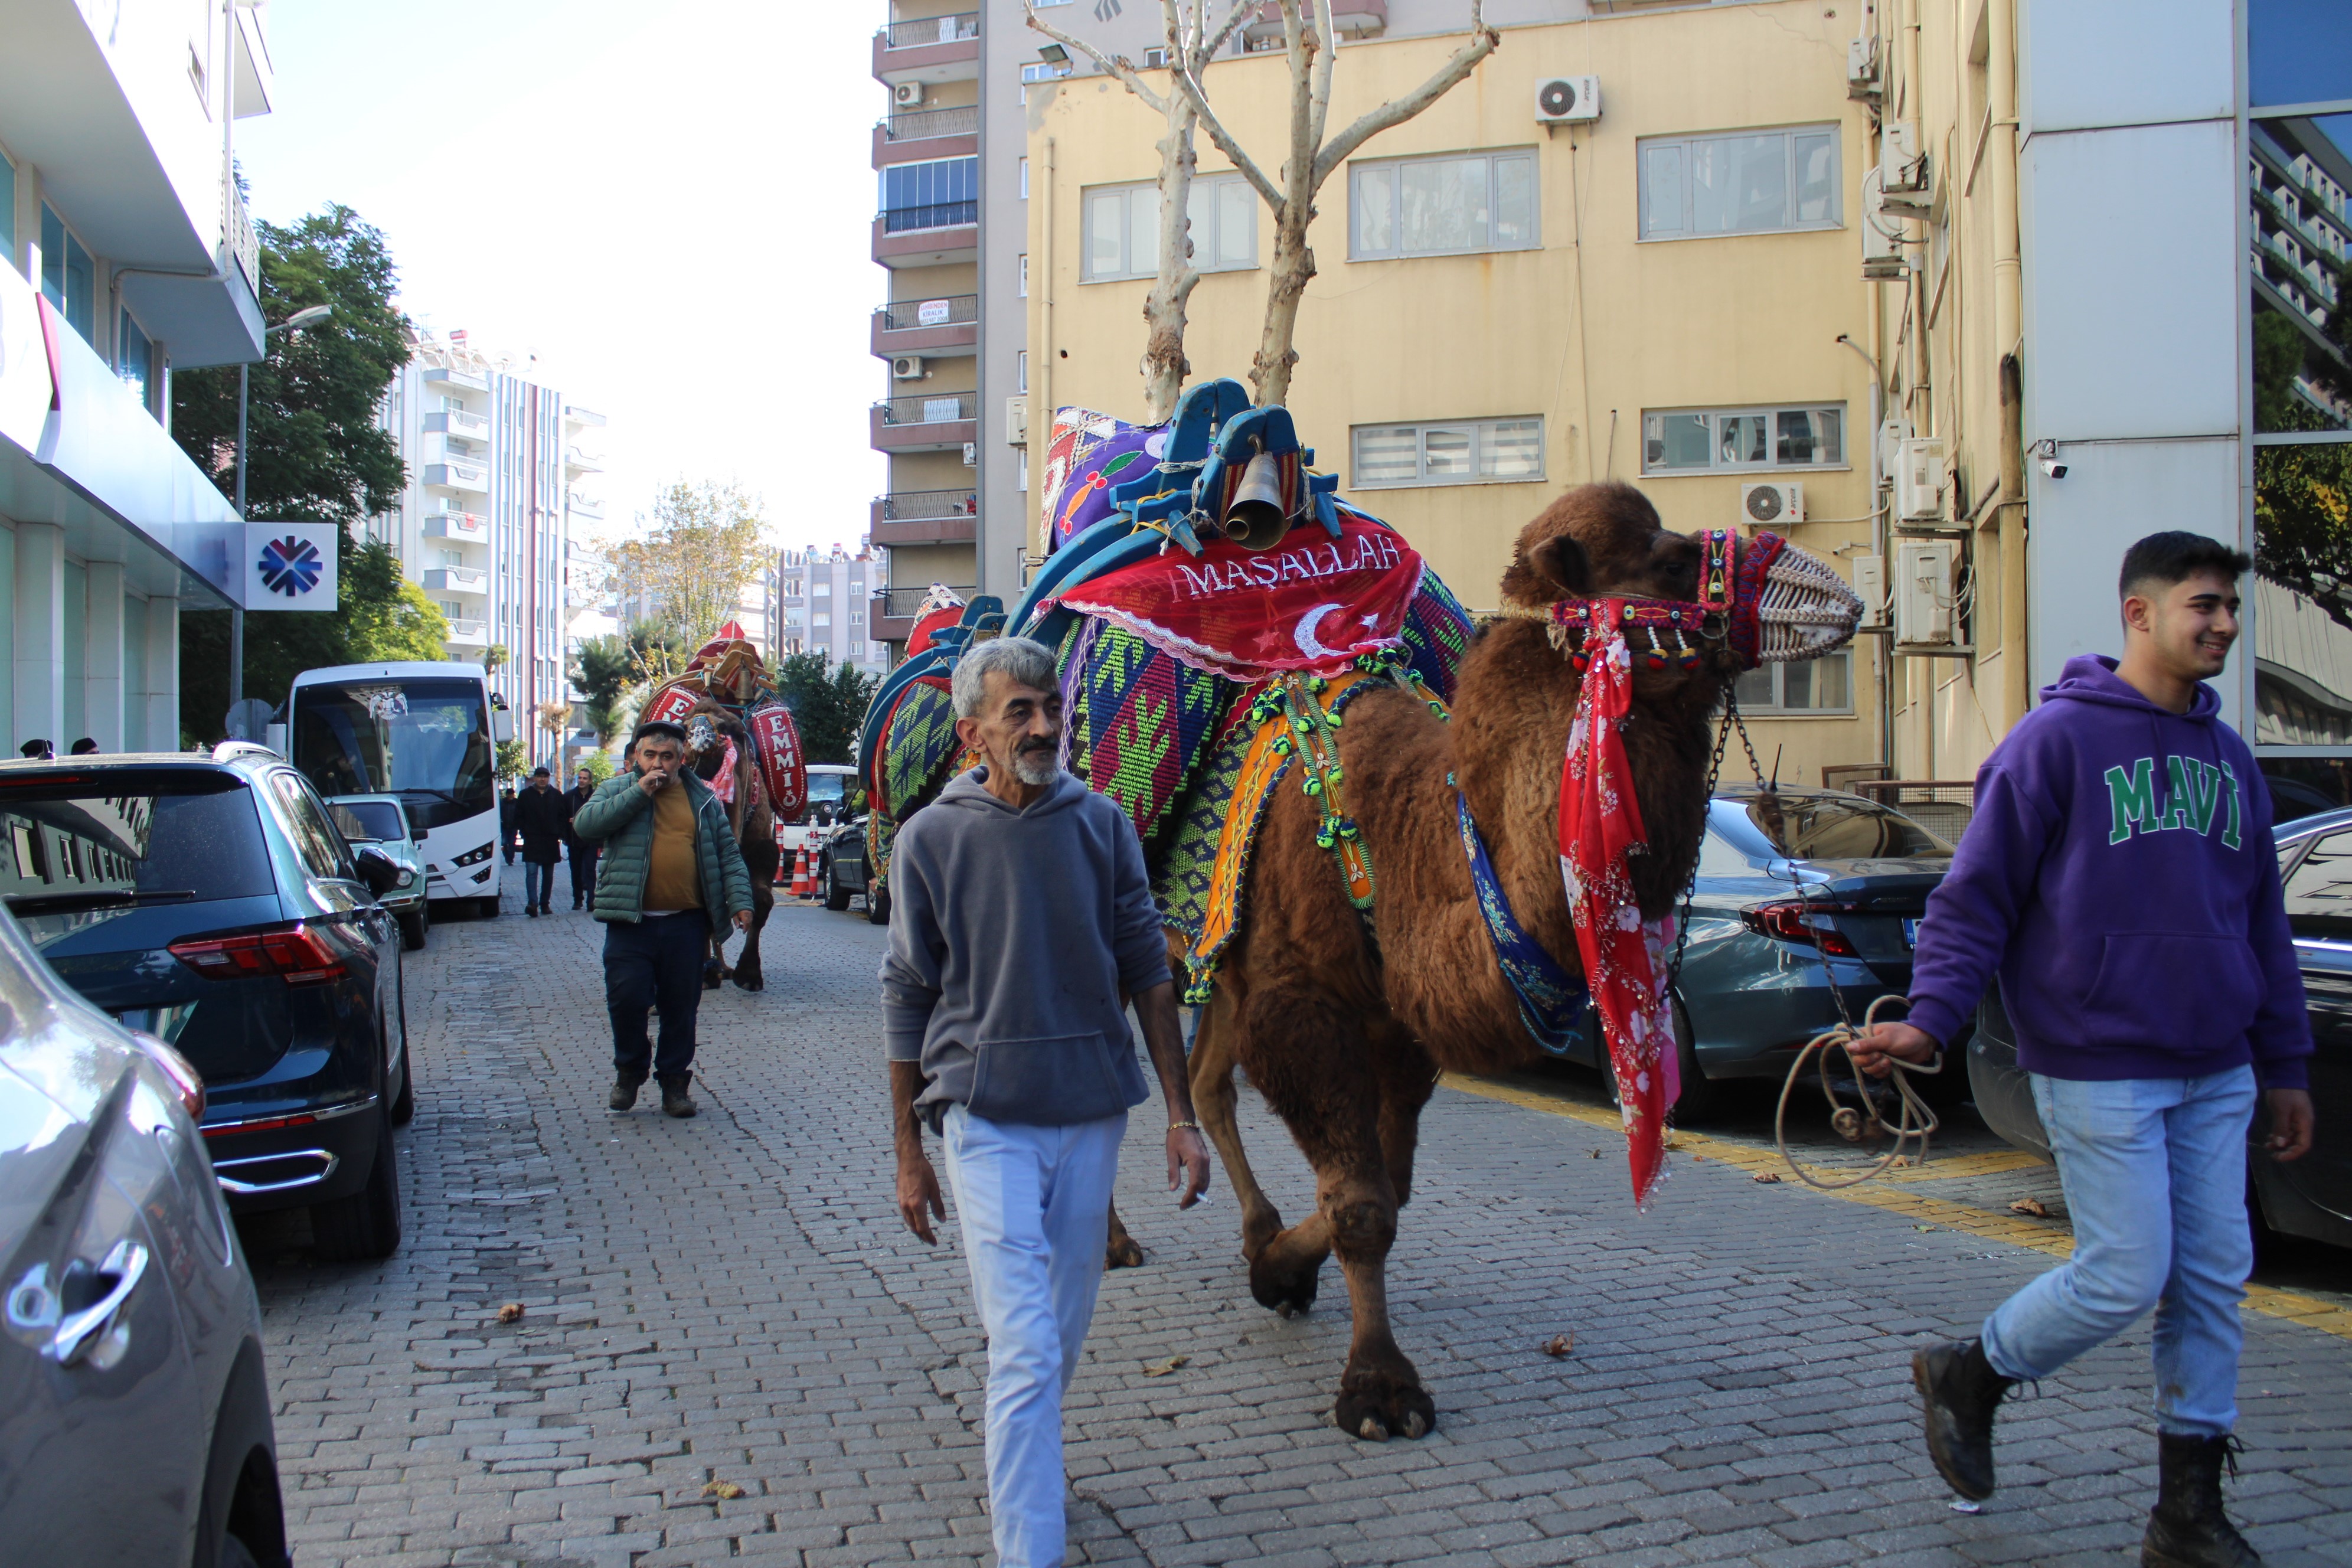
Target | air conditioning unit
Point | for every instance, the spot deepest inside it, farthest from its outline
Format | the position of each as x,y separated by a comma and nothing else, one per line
1772,504
1883,260
1904,182
1870,587
1919,479
1155,60
906,367
1862,78
1567,99
1016,422
907,94
1926,592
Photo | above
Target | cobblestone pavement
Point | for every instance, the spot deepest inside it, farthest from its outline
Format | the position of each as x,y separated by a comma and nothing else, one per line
731,1300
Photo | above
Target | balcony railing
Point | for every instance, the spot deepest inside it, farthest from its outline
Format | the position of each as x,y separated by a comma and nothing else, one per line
238,239
924,31
937,215
938,409
900,603
584,506
469,632
457,422
906,315
908,506
924,123
466,525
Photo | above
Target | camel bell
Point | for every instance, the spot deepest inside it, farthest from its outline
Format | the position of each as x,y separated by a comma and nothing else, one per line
1256,520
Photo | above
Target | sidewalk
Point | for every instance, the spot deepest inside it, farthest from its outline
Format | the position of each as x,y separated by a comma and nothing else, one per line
730,1300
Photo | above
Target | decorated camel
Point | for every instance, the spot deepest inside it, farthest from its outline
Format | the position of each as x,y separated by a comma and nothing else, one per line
740,741
1354,813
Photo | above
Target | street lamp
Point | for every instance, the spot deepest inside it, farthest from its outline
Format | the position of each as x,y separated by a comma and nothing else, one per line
308,317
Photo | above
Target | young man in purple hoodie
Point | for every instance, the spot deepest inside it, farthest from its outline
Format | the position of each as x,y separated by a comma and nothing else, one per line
2118,876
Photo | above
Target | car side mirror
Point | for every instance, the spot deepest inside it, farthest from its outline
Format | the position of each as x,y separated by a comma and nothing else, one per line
379,870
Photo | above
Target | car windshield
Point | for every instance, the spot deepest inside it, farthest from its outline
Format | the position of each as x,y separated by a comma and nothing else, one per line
119,835
827,786
367,821
426,741
1837,827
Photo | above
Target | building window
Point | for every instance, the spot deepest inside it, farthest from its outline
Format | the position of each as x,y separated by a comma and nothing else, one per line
1823,685
1442,207
1021,370
1123,229
69,277
821,618
8,212
1703,440
823,590
134,361
1024,179
1747,182
940,193
1449,452
1022,274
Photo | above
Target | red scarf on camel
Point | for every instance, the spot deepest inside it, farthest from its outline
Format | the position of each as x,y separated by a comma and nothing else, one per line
1624,956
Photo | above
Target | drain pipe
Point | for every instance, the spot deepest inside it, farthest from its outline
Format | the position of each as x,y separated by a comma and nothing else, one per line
1878,542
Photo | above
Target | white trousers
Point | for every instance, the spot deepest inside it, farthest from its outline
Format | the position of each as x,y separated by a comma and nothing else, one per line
1035,1205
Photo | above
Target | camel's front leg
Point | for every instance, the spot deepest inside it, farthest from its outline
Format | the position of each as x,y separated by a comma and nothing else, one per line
1215,1102
1121,1250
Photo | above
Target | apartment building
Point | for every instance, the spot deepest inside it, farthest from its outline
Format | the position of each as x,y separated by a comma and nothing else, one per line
826,601
126,253
500,471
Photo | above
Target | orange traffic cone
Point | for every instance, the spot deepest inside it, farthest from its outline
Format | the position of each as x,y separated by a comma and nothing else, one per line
804,885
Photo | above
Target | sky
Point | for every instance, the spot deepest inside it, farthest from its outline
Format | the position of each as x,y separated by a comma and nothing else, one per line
669,204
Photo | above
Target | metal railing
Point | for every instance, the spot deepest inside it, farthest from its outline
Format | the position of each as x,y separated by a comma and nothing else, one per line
936,408
901,603
924,31
466,629
239,242
934,215
958,122
906,315
908,506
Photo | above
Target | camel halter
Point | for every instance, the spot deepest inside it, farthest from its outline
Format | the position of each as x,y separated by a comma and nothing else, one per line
1769,604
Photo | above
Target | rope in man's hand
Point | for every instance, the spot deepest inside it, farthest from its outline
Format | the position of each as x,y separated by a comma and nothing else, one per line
1917,1120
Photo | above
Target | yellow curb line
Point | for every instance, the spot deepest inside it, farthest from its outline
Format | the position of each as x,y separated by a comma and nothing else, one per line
2021,1231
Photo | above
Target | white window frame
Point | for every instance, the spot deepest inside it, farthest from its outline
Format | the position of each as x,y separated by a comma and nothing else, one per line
1652,146
1771,413
1362,172
1482,433
1777,709
1207,194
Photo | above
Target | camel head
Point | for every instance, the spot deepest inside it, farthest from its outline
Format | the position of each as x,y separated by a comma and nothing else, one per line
708,727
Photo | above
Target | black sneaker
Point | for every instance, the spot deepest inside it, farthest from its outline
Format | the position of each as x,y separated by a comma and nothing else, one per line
1960,1391
624,1094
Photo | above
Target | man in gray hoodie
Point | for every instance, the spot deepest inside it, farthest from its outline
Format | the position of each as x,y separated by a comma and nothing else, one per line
1020,915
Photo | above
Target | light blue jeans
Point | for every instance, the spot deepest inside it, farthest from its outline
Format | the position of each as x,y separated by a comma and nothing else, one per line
2154,1174
1034,1206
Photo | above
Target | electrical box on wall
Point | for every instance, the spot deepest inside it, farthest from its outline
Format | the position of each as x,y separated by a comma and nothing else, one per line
1017,421
1927,592
1919,479
1870,587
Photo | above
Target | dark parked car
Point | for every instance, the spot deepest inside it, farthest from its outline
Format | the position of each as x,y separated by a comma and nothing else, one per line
1797,889
841,873
134,1413
2308,1197
211,902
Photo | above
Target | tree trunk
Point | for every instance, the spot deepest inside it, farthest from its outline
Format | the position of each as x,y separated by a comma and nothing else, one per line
1294,268
1164,365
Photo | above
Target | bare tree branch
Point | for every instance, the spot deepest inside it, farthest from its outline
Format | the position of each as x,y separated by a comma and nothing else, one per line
1242,8
1110,65
1321,96
1396,111
1188,83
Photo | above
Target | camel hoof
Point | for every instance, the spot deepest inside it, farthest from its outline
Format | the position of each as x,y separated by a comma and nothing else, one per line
1384,1401
1290,1291
1124,1252
1414,1426
1289,1310
1371,1431
752,983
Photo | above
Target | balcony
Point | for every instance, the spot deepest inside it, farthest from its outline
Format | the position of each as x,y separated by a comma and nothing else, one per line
459,422
925,517
928,49
583,506
466,526
576,462
945,327
457,580
455,476
894,611
935,422
468,634
941,235
455,380
927,133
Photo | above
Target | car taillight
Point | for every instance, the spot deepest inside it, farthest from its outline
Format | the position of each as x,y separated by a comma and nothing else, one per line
1791,921
185,1078
294,953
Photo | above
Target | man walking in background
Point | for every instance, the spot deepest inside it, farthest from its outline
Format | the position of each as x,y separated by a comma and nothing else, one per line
2120,877
583,853
1022,914
672,866
543,818
508,806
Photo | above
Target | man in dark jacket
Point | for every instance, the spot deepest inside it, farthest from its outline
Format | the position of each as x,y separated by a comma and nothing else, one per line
672,869
507,807
2120,877
543,818
583,853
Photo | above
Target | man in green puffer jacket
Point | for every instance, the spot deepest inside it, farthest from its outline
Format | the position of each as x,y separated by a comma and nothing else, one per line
671,864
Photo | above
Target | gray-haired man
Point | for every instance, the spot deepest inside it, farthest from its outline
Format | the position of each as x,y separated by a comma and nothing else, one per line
1021,913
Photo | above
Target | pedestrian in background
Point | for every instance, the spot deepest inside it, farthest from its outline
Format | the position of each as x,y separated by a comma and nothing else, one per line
1021,914
508,842
543,821
39,750
583,852
671,867
85,747
2118,875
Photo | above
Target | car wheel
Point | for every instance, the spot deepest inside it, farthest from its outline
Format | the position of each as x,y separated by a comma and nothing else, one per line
413,927
366,1226
836,895
877,904
488,909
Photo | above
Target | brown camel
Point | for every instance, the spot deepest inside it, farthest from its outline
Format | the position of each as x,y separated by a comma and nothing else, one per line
1346,1039
709,725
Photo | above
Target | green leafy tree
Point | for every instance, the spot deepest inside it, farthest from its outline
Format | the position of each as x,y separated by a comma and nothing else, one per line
600,765
605,670
828,704
513,760
703,542
314,453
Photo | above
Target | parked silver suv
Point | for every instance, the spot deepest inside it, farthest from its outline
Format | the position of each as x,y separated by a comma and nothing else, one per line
134,1414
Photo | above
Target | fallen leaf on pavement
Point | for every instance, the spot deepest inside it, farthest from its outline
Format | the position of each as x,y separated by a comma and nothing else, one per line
511,1311
726,1489
1923,1228
2034,1206
1766,1178
1558,1345
1162,1368
1596,1153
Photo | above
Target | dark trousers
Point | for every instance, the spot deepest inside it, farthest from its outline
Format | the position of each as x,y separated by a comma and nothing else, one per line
654,965
538,882
583,873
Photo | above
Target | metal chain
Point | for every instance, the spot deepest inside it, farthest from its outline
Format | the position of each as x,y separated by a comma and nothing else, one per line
1714,770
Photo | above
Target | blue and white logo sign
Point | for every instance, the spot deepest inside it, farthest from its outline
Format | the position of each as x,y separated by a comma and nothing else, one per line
289,566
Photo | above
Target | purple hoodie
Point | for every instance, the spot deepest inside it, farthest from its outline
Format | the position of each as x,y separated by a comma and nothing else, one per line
2119,875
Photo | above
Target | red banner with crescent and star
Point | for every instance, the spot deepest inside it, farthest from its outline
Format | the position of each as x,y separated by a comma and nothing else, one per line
1311,603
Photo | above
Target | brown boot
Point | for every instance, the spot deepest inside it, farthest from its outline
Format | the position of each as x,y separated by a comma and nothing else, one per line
624,1095
675,1101
2187,1528
1960,1391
